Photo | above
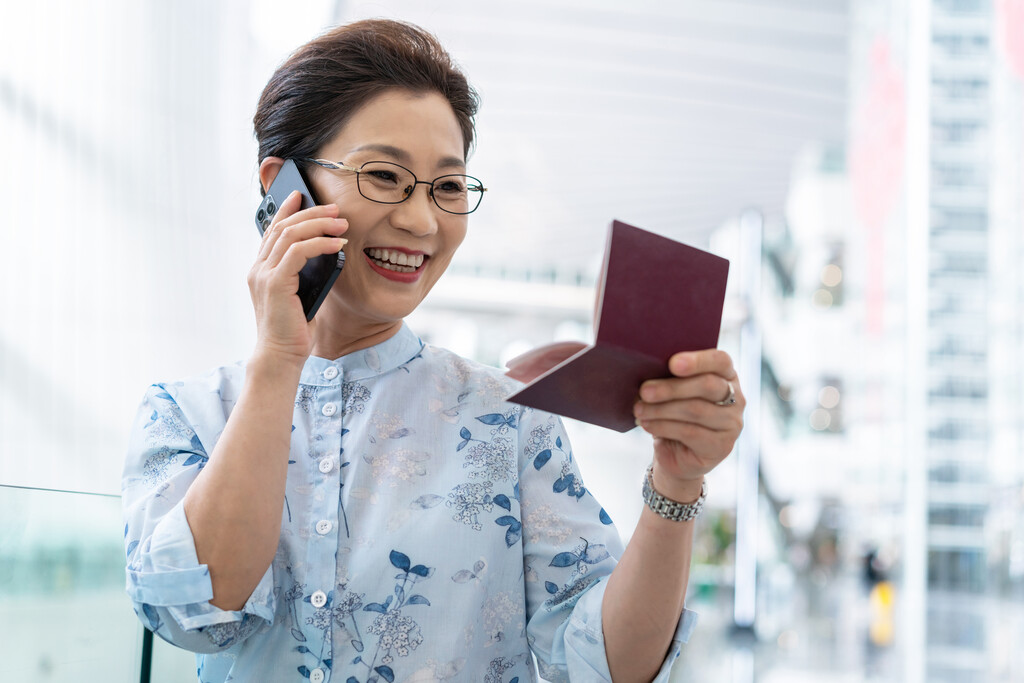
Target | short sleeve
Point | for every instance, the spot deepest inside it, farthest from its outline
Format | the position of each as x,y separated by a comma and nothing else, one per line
584,639
170,589
570,548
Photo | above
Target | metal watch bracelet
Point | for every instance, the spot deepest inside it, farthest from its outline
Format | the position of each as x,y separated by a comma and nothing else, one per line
670,509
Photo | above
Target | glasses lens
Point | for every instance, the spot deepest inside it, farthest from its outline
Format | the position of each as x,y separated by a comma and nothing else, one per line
384,182
458,193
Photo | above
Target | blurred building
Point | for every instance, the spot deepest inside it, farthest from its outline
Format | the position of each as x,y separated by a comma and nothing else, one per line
893,373
949,263
958,436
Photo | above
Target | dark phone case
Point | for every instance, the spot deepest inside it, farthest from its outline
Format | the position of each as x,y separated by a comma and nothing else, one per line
318,275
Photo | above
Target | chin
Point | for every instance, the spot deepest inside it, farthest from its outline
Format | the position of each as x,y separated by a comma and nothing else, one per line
388,313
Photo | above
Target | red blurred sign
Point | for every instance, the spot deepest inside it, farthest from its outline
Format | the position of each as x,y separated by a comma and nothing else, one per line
1010,19
877,150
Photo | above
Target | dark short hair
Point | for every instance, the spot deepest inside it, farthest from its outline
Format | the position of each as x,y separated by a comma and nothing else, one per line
323,83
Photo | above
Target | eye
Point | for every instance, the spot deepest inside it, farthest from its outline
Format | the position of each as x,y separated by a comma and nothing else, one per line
450,185
382,176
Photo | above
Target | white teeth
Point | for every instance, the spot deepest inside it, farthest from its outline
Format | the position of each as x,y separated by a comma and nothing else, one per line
405,263
398,269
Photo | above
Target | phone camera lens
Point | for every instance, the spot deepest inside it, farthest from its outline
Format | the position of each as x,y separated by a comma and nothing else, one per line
261,215
271,208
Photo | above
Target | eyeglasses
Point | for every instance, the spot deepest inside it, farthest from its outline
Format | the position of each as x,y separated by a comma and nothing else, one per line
387,183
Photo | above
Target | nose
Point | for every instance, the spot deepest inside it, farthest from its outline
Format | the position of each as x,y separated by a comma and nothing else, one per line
418,213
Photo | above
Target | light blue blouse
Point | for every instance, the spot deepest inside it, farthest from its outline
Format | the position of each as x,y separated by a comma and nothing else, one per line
430,532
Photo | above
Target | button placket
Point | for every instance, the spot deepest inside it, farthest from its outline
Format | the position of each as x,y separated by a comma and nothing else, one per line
323,510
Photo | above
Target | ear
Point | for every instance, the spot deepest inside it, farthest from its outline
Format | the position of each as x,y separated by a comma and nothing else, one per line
269,169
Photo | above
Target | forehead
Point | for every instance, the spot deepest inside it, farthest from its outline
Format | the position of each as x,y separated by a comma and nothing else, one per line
408,127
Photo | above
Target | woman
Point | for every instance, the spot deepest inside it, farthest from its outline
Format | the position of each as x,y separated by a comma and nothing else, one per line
353,505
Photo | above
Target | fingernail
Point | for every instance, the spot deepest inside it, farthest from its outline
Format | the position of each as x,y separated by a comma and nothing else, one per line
638,410
647,393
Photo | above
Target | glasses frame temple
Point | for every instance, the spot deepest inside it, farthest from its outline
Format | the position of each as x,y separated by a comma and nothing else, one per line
333,165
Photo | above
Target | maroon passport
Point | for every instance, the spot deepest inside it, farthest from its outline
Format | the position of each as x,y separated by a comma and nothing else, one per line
656,297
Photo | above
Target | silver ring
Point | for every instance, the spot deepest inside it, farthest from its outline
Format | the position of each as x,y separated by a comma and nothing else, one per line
730,399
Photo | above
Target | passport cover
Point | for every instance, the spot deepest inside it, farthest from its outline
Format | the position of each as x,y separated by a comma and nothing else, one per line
656,297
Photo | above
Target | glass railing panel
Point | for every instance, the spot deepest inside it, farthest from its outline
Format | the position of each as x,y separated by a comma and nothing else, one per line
64,615
172,664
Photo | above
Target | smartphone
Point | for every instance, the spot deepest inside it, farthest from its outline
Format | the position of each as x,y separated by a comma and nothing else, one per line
318,275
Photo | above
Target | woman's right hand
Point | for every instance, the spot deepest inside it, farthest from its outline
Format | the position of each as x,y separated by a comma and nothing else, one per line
292,238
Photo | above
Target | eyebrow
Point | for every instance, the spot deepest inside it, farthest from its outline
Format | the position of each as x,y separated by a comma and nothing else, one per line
404,157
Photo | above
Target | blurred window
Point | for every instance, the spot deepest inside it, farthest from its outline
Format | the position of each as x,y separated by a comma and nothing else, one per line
963,220
949,624
961,6
960,88
960,45
959,175
973,347
957,570
962,301
959,262
954,386
957,515
958,428
957,472
957,130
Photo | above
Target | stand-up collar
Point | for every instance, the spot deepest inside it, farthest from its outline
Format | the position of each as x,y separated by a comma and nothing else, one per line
373,361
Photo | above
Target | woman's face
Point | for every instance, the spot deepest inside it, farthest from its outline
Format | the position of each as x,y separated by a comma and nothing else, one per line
421,133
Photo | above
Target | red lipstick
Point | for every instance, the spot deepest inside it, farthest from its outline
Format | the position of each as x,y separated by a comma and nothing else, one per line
395,275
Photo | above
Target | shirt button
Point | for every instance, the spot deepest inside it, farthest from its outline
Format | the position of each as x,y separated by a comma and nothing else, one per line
329,409
331,372
324,526
316,676
326,465
319,599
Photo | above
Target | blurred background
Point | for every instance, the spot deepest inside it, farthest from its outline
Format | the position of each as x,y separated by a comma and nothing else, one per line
860,162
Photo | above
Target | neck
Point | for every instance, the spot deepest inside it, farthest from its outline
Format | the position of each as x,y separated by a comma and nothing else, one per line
332,340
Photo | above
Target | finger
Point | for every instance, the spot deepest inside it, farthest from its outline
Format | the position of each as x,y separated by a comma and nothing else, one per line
289,214
708,445
707,386
695,411
530,365
300,252
303,231
690,363
284,220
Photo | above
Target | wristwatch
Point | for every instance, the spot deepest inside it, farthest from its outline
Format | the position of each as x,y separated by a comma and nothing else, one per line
670,509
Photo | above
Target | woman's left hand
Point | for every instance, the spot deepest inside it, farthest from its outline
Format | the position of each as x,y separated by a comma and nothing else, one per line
692,432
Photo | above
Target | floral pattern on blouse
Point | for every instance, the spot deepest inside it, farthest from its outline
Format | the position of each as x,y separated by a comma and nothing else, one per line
431,531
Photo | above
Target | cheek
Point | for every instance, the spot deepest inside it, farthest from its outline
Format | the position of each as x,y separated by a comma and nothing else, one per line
334,189
454,234
348,199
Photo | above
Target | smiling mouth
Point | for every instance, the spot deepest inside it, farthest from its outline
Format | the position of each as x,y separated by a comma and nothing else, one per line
396,261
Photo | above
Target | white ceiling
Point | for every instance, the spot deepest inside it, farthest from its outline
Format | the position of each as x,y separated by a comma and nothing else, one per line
674,116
